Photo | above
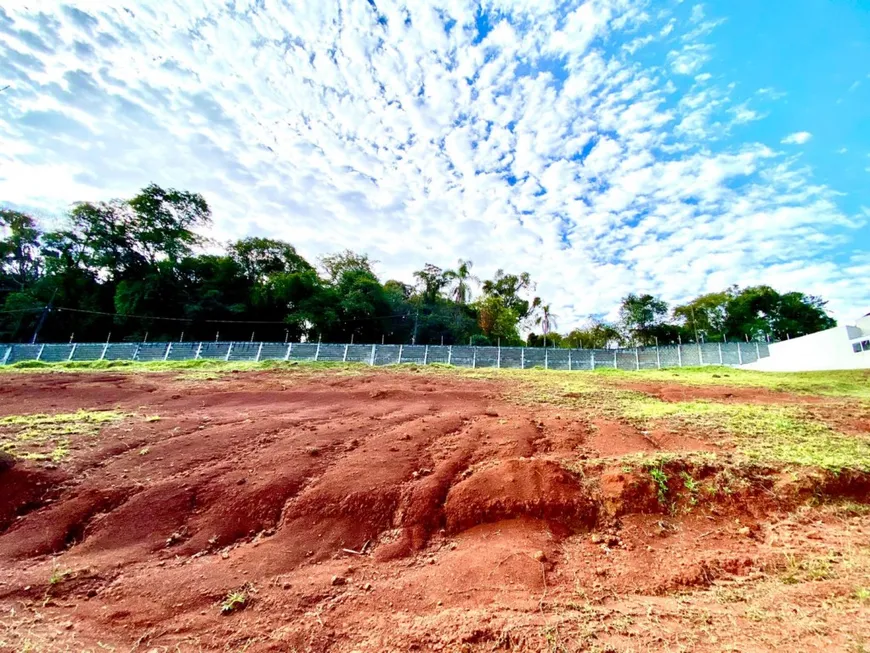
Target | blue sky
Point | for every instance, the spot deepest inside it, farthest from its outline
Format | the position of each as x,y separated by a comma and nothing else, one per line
604,146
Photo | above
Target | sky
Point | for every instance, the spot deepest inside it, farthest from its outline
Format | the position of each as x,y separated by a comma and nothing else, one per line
604,146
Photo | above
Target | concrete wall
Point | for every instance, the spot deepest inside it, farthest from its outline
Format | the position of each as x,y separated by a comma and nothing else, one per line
825,350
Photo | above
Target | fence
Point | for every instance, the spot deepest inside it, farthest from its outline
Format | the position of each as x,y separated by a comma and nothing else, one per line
637,358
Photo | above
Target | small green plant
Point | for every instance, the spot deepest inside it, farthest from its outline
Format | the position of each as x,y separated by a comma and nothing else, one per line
661,482
862,594
58,574
811,569
237,600
692,486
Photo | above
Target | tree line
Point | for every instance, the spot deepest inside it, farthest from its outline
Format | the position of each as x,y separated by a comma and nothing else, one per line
140,269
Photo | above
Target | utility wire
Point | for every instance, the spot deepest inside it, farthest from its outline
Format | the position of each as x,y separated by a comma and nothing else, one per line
210,321
24,310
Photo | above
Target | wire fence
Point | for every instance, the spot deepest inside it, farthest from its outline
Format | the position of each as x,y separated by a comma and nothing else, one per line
636,358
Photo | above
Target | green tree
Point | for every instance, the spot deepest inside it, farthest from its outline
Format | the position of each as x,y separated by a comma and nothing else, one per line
430,281
335,264
706,315
19,249
508,287
497,321
460,281
798,314
639,316
594,335
261,258
163,222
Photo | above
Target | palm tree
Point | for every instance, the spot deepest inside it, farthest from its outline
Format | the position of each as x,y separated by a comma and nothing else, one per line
547,320
460,281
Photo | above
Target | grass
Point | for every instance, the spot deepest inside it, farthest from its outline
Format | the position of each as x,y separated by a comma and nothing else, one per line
807,570
170,366
785,434
236,600
763,433
49,437
841,383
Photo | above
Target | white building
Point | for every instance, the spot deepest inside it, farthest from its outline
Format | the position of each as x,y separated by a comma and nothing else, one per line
840,348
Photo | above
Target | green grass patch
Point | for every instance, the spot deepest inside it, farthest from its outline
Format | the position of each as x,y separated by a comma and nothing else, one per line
764,433
839,383
49,437
205,367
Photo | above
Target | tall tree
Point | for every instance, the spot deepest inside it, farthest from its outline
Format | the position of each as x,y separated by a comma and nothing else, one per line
261,258
430,281
19,249
508,287
164,221
705,315
460,281
497,321
546,320
639,316
335,264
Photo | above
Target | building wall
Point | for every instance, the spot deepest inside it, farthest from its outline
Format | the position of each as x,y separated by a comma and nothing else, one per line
826,350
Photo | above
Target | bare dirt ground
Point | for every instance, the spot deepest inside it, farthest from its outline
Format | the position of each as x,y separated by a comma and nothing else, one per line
410,511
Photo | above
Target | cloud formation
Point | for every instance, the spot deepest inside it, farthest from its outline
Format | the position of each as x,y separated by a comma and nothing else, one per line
582,143
798,138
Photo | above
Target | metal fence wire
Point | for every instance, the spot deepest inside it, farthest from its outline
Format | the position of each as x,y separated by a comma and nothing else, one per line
636,358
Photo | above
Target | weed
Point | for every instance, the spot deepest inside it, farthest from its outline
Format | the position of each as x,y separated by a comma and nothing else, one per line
806,570
661,482
144,451
58,574
692,486
48,437
862,594
237,600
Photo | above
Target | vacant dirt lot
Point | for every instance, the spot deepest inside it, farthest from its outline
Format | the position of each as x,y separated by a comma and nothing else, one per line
383,510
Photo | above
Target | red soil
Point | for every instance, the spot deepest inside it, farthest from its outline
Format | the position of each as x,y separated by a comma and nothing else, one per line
377,512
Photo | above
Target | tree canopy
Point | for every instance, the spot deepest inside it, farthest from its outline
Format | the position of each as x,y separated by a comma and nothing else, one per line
140,268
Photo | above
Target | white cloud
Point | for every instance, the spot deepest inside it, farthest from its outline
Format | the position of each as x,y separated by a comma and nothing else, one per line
798,138
534,148
743,114
690,59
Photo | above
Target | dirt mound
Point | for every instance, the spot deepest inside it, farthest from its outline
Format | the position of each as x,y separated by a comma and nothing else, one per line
24,488
375,512
514,488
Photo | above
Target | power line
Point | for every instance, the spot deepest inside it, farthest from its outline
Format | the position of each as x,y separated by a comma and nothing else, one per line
24,310
210,321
